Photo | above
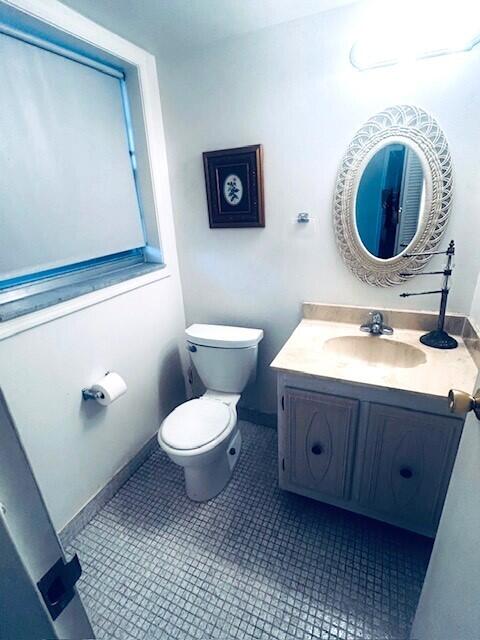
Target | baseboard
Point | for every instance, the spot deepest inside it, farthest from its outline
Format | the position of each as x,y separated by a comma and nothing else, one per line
100,499
258,417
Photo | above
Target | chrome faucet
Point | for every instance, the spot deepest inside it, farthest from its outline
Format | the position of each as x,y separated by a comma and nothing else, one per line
376,327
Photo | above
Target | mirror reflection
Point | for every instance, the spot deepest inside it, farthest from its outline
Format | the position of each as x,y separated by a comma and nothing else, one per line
390,199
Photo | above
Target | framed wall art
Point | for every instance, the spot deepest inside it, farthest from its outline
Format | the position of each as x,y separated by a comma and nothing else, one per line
234,182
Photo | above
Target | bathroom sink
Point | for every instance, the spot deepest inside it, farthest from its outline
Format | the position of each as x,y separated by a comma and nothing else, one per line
375,351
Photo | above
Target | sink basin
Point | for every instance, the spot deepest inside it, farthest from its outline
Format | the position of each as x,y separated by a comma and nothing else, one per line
375,351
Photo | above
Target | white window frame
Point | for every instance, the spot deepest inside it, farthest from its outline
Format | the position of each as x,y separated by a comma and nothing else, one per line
55,21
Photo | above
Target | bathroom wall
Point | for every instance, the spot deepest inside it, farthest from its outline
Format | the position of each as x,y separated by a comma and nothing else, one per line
475,307
292,88
75,447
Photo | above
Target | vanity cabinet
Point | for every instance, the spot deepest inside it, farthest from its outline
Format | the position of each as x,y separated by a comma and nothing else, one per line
382,453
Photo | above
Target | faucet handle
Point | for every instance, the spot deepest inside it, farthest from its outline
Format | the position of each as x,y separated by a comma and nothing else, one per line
376,326
377,317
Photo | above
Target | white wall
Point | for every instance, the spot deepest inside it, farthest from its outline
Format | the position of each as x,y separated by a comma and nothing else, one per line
75,447
291,87
475,307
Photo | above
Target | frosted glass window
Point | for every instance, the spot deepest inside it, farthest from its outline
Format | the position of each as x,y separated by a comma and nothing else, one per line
67,188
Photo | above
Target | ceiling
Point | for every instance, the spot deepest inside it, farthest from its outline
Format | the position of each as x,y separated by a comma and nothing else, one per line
168,27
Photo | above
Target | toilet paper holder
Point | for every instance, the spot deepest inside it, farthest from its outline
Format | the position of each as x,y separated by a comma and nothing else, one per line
106,390
93,394
90,394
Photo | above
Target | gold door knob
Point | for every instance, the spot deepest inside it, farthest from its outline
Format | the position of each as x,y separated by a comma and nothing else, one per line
462,402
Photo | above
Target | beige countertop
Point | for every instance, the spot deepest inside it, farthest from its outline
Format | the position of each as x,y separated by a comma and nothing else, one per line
313,349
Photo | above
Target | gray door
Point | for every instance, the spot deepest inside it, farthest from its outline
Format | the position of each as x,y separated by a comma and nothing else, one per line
449,606
29,549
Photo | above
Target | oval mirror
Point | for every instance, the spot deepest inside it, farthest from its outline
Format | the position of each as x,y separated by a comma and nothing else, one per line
393,195
390,200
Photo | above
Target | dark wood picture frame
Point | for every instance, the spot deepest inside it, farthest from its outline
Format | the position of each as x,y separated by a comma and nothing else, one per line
234,182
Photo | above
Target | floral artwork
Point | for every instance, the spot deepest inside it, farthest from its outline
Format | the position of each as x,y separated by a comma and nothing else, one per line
234,181
233,189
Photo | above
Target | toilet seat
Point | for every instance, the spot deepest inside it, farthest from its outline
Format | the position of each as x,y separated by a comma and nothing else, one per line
196,423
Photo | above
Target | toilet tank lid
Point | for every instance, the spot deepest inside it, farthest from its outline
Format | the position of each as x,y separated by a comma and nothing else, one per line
216,335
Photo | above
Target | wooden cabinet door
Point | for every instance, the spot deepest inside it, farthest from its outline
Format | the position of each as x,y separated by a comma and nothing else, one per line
407,465
320,442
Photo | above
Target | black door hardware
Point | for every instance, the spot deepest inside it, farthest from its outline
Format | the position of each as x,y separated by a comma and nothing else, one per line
57,585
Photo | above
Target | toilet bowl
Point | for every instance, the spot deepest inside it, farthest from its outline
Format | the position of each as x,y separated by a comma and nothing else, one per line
202,435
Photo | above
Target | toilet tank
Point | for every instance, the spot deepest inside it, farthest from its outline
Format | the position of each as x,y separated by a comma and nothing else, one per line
225,357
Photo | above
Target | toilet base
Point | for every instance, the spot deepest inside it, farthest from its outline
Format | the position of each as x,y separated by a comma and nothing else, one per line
204,482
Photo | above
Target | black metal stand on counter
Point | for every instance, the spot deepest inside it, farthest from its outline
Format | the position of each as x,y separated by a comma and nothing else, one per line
438,338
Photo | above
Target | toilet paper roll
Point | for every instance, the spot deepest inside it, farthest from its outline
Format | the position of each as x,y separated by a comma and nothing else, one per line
111,387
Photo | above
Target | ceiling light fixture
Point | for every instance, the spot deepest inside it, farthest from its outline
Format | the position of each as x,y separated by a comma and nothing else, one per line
411,31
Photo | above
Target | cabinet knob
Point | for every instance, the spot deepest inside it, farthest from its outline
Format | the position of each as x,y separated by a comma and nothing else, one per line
406,472
317,449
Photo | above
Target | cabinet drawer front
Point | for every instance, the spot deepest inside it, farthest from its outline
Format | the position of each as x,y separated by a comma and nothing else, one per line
321,440
408,461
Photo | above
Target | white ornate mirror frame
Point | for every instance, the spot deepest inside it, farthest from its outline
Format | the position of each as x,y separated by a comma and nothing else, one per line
419,131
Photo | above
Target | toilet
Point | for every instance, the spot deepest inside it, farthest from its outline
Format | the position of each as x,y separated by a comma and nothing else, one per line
201,435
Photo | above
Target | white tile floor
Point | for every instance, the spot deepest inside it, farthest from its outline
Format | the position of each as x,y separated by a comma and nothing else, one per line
255,562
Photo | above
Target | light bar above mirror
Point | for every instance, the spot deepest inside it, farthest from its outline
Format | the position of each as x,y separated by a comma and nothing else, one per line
421,29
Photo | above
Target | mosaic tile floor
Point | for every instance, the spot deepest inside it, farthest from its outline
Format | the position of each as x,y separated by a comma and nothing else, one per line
255,562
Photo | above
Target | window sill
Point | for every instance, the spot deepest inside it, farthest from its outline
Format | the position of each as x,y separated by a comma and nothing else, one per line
21,315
